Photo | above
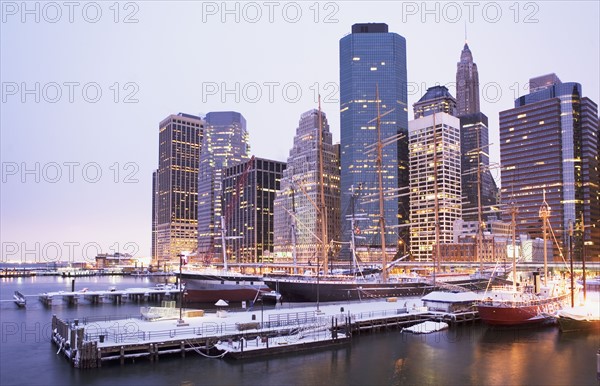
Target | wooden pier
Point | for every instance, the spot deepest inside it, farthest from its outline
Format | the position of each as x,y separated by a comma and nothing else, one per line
91,341
114,296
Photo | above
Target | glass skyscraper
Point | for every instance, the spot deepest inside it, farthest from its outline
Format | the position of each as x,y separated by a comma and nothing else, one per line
549,143
249,190
372,58
224,144
295,214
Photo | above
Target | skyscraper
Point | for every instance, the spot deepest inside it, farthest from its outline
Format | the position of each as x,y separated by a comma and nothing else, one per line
437,99
297,200
467,84
372,58
248,194
549,146
175,187
224,144
479,188
435,175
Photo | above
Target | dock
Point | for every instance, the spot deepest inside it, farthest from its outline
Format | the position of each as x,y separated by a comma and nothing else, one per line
113,295
90,342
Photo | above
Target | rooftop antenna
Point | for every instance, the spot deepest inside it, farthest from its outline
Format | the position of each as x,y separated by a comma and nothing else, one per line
465,31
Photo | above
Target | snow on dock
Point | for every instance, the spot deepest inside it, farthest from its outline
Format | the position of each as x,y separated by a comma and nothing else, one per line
90,341
73,297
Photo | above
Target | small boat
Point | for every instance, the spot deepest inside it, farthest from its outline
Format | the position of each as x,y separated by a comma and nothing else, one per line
591,282
426,327
19,299
271,297
579,318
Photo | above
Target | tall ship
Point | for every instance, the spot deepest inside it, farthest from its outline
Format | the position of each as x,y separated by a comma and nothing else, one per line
208,285
529,303
361,283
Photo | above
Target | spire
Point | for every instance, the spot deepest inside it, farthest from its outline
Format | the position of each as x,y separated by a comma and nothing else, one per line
466,55
467,83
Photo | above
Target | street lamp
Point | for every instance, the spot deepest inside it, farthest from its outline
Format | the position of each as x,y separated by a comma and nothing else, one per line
181,322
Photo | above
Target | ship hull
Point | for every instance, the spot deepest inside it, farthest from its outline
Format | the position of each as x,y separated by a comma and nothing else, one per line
324,291
507,314
201,288
567,324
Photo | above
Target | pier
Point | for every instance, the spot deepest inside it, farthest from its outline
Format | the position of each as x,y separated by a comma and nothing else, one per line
115,296
92,341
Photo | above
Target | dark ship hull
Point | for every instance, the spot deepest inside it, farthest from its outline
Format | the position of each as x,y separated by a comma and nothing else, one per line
209,288
327,290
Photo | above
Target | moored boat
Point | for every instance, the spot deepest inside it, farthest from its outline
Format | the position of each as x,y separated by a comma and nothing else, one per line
210,285
509,307
332,288
271,297
580,318
19,299
591,282
529,303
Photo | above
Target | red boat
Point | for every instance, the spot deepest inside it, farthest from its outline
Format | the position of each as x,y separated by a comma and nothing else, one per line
509,307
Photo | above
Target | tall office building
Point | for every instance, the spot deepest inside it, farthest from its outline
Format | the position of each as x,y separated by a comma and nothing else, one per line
248,194
467,84
300,194
435,175
549,143
437,99
175,187
224,144
479,188
372,58
154,246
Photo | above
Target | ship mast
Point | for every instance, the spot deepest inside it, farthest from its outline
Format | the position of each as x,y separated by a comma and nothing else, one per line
544,214
513,225
380,180
322,206
223,248
583,255
294,252
480,224
353,228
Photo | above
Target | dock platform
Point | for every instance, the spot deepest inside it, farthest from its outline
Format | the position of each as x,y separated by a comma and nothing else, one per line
115,296
91,341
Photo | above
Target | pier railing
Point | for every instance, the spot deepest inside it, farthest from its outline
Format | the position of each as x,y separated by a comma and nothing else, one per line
126,328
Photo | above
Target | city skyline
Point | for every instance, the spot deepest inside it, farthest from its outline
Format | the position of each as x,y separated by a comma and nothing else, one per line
120,138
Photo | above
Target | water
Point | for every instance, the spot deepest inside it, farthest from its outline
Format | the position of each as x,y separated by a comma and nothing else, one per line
474,355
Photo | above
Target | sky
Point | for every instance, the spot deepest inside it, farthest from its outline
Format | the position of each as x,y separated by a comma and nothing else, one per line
85,85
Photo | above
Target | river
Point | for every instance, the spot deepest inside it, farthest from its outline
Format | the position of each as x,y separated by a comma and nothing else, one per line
465,355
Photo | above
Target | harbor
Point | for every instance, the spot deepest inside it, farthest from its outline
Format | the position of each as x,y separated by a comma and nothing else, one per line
392,355
241,333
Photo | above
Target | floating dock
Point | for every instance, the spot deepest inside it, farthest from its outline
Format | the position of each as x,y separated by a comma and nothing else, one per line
92,341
